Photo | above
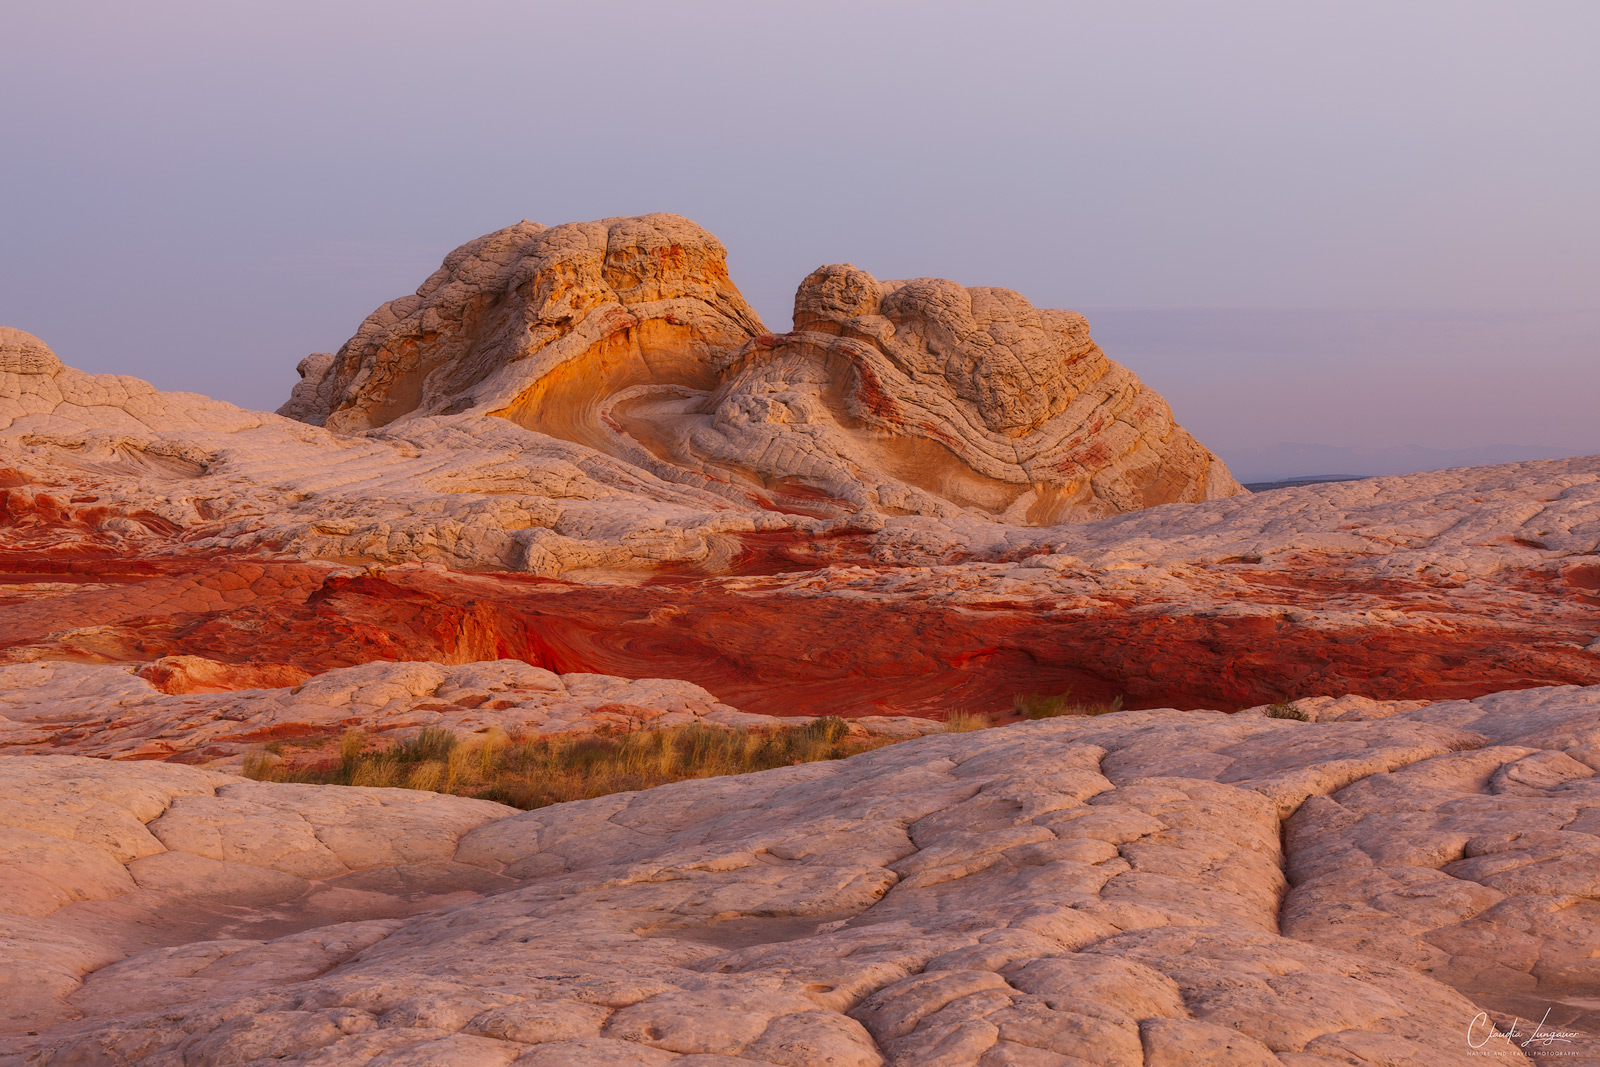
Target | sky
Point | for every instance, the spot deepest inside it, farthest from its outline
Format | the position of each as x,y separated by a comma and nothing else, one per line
1332,234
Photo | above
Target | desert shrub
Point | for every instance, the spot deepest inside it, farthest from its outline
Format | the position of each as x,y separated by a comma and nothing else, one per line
351,745
1036,706
533,772
828,729
1287,709
428,745
1105,708
1039,706
261,763
427,776
961,722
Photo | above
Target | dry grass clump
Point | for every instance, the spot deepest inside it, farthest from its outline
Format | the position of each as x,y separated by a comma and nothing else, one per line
961,722
533,772
1039,706
1287,709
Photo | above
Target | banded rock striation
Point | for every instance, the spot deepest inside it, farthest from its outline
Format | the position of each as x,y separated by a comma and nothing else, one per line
1433,586
1142,888
914,397
576,447
574,481
584,306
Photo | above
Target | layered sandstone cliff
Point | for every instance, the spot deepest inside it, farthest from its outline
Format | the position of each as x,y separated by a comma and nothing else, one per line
914,397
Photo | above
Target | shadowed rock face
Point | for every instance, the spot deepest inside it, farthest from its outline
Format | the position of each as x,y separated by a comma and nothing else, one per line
627,336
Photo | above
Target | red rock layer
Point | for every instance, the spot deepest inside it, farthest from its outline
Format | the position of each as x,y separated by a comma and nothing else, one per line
762,646
196,674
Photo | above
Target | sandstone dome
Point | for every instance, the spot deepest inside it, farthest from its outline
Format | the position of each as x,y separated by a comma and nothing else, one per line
628,336
23,353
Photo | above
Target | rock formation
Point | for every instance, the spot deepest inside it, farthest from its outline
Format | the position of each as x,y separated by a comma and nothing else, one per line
574,483
23,353
922,397
1450,584
572,312
916,397
198,710
1140,888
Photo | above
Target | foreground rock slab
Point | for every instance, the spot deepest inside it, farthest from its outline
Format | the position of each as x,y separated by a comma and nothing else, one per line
1137,888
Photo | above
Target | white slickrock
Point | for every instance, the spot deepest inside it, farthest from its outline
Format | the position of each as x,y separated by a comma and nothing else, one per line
1112,890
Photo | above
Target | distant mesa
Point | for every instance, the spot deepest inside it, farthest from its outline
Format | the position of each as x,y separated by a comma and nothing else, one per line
916,397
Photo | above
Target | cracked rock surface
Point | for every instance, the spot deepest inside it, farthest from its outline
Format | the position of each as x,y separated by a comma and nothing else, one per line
1135,888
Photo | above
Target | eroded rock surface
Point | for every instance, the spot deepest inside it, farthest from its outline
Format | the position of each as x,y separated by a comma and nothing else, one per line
574,482
922,397
577,447
574,310
627,335
1109,890
93,710
1448,584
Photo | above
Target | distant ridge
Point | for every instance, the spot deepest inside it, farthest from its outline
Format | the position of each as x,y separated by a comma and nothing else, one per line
1291,460
1262,487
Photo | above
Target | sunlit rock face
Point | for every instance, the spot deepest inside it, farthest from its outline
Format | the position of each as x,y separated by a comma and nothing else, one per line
23,353
548,319
924,397
603,464
574,485
916,397
138,525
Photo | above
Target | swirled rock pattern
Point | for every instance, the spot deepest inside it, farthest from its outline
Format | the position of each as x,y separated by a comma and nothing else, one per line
915,397
571,312
1449,584
1384,885
573,483
927,398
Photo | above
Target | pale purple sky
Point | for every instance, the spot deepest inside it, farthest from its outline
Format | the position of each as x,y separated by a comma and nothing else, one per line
1359,225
